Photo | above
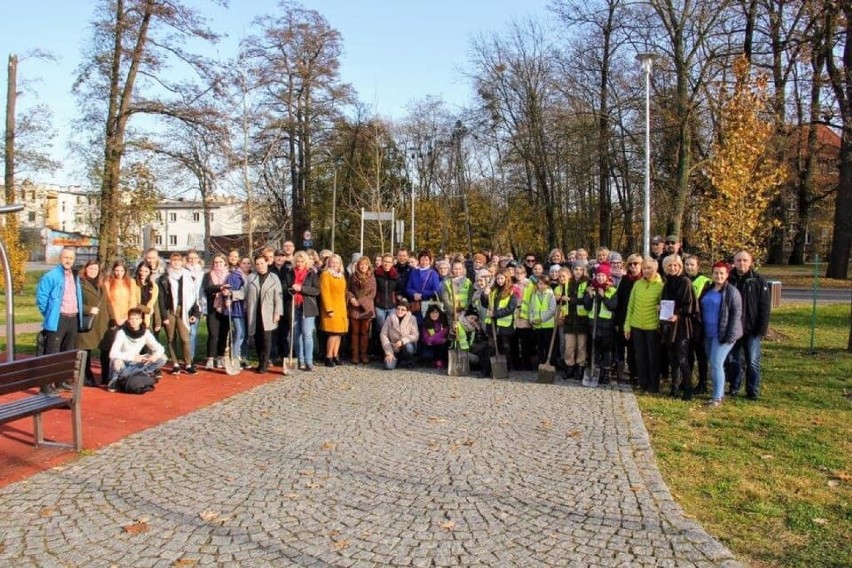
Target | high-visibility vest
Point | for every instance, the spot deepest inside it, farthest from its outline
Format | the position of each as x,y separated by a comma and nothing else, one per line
699,284
540,303
505,321
461,337
462,295
604,311
581,290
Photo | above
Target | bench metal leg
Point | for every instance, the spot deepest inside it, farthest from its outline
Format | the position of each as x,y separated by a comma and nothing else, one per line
38,430
77,426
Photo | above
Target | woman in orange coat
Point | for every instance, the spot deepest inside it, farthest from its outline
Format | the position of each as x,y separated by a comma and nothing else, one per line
333,320
122,294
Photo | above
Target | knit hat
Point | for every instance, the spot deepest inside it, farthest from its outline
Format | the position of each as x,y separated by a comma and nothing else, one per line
579,264
604,268
554,270
482,273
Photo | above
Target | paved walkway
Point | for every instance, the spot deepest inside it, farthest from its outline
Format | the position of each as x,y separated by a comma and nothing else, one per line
360,467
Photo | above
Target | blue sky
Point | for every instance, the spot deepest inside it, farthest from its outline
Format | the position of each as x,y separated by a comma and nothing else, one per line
394,50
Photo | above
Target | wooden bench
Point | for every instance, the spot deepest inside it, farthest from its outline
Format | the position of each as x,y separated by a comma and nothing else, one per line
35,372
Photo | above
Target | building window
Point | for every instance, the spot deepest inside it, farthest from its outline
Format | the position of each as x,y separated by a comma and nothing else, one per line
211,217
172,240
172,217
31,216
196,216
159,240
63,207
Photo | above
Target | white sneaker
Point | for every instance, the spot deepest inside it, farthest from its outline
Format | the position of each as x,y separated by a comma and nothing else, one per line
209,366
220,363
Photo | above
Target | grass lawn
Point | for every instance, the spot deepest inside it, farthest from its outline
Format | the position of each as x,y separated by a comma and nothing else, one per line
25,308
800,276
771,479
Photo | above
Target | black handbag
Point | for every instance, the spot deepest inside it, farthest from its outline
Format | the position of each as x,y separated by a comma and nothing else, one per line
88,322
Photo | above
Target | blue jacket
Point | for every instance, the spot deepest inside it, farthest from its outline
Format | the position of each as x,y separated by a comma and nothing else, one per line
427,283
49,292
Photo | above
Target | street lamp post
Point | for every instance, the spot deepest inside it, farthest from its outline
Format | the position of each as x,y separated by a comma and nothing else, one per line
647,61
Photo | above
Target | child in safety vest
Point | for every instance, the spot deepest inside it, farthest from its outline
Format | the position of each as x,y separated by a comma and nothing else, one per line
575,321
600,302
542,316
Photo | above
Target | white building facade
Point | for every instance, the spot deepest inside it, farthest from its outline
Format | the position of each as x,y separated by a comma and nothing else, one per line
179,224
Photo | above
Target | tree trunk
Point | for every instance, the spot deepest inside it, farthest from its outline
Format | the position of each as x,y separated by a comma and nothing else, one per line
841,81
11,103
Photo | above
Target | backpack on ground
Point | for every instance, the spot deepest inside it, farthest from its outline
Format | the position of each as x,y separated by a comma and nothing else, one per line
137,382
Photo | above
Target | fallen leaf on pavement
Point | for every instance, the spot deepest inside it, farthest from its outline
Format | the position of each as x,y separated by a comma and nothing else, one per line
448,525
47,511
341,544
138,527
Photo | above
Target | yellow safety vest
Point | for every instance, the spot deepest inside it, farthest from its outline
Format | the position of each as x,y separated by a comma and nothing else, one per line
505,321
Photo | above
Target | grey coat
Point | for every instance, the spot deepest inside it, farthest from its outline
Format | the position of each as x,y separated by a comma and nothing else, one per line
269,297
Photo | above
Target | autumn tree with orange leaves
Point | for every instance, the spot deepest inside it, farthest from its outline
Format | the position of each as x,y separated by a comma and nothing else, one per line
743,171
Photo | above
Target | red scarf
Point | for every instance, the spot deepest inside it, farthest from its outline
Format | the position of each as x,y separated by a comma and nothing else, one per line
300,275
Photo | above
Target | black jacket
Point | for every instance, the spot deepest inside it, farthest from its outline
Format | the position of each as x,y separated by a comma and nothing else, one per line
757,301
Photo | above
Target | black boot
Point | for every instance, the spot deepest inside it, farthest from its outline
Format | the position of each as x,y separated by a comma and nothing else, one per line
604,380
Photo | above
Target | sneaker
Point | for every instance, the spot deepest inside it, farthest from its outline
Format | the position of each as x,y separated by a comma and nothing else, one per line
309,367
111,387
192,370
176,369
220,363
713,403
439,364
210,365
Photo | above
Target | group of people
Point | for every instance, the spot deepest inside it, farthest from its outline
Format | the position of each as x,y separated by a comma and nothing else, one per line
645,320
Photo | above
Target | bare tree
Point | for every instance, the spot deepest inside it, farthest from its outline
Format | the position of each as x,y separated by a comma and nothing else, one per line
133,43
837,18
294,61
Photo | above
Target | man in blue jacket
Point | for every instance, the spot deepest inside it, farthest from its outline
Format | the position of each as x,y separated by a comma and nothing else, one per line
754,290
59,298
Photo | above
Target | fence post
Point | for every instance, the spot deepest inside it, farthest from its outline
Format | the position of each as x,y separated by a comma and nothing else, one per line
814,309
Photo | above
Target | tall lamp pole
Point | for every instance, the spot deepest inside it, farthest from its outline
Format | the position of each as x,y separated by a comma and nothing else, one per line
647,61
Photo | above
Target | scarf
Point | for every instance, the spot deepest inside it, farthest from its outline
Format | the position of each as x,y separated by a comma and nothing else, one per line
334,273
218,277
300,274
129,332
598,286
380,271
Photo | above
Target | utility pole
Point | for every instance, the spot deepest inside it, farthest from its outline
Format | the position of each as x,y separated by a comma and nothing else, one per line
459,131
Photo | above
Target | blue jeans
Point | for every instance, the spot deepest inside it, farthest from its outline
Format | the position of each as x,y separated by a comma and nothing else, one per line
304,330
119,368
716,355
407,352
381,315
238,336
193,333
746,352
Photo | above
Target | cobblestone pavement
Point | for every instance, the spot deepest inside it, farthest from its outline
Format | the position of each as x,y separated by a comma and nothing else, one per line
361,467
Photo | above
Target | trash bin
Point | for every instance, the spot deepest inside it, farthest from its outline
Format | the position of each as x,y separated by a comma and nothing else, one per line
775,292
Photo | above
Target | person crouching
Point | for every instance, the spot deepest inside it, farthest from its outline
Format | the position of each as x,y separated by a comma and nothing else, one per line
399,336
126,356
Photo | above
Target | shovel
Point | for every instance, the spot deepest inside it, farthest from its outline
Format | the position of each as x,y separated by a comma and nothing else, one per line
546,371
590,379
290,361
499,366
232,364
458,364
